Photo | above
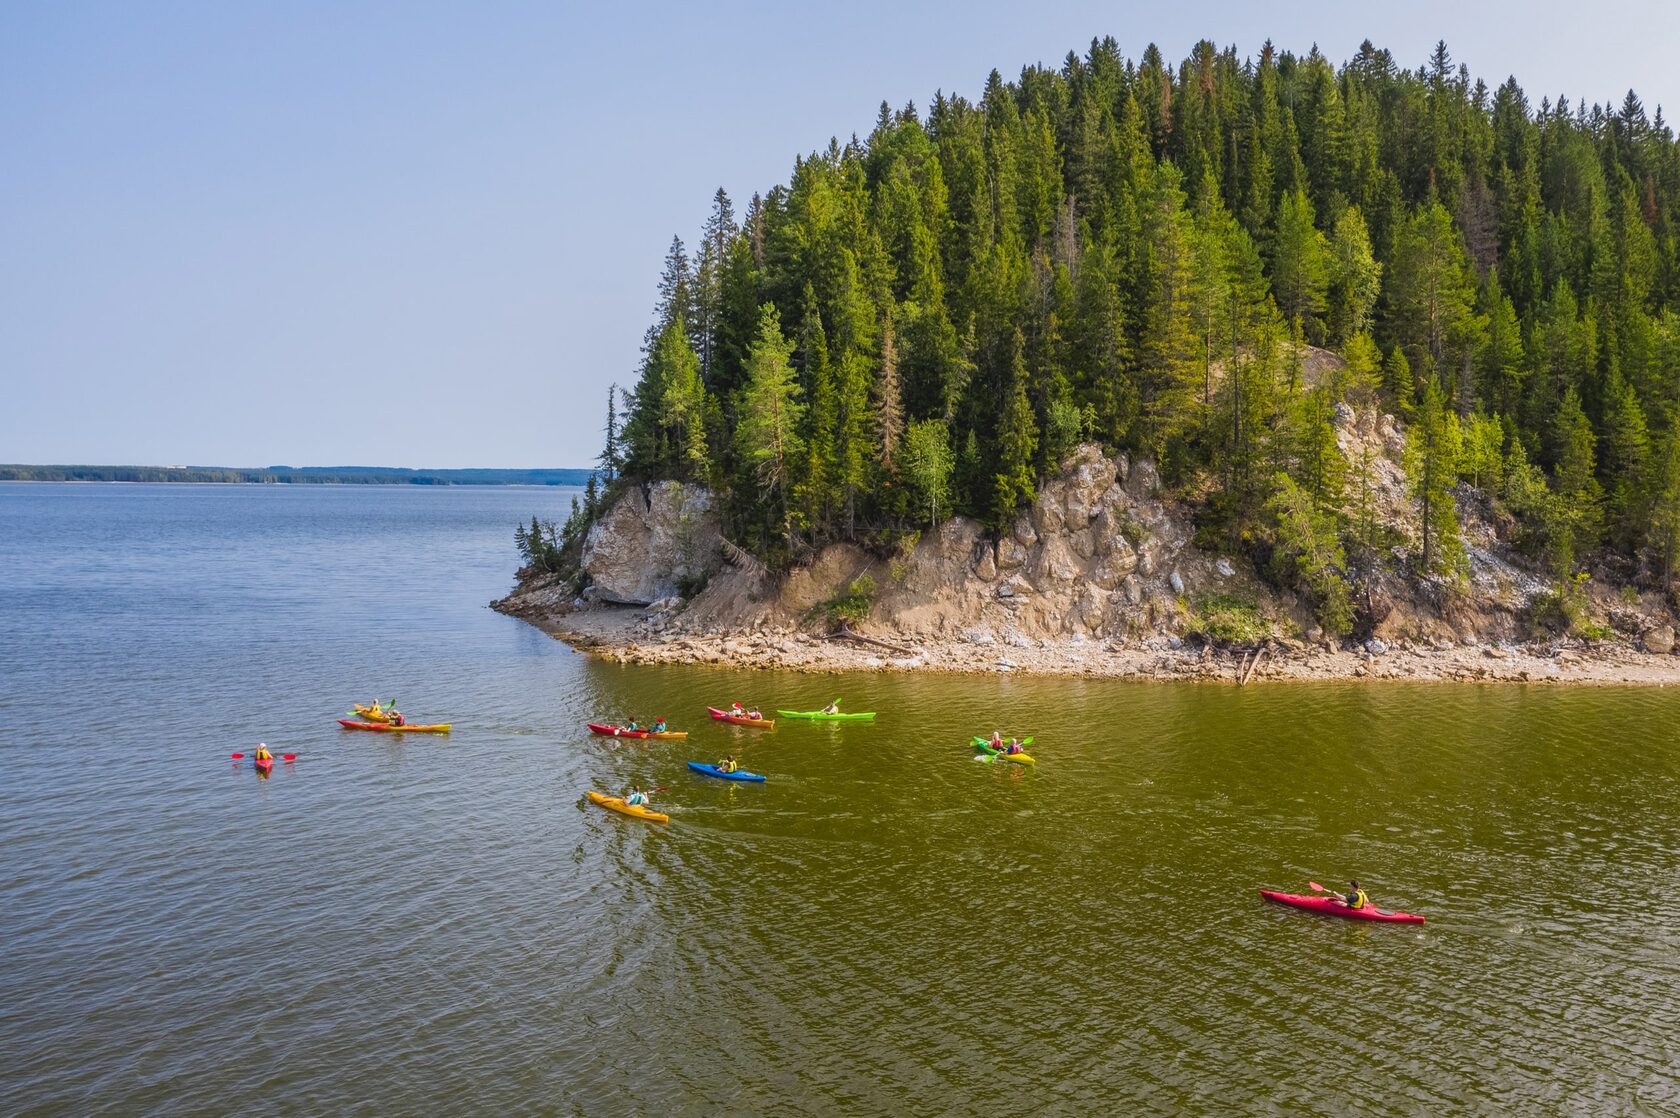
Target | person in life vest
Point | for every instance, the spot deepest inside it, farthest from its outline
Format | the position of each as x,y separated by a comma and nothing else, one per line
738,710
997,740
633,726
659,725
755,715
1015,747
832,708
637,797
396,717
1356,898
262,753
727,765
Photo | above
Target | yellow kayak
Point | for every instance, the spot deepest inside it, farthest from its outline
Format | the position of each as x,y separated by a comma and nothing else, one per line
616,803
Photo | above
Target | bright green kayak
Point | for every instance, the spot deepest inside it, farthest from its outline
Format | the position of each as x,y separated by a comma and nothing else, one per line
819,716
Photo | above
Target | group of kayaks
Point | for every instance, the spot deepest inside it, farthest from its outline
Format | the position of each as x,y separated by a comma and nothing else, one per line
985,749
737,717
381,719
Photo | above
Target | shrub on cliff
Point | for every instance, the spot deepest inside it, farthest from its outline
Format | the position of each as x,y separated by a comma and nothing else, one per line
853,605
1228,619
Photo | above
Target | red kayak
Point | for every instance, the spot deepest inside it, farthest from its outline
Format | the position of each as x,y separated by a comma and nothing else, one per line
1335,906
739,720
264,766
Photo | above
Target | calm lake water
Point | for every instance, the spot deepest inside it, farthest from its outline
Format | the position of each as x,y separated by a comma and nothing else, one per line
444,926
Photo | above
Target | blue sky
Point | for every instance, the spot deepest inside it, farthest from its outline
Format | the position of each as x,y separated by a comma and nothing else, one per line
428,234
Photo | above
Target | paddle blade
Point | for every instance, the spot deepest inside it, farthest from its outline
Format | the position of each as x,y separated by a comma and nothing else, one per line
288,756
1316,887
238,756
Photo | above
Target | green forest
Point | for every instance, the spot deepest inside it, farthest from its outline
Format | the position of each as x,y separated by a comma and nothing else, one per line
293,475
925,320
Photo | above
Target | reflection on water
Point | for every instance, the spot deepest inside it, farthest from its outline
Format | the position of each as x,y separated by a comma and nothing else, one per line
444,924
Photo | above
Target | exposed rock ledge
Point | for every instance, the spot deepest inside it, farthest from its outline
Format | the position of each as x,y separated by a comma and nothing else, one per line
1095,579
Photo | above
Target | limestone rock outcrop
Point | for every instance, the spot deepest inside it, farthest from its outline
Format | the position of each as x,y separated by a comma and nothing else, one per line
650,540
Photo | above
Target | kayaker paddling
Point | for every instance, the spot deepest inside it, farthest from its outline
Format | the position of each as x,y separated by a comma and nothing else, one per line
1356,898
1014,747
262,753
832,708
727,765
659,725
637,797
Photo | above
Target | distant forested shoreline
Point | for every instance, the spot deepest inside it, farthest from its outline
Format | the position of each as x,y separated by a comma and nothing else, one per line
293,475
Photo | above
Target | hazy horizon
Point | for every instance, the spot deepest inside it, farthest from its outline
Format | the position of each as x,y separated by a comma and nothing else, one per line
430,238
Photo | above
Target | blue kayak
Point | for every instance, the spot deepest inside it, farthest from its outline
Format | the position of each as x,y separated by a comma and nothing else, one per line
713,770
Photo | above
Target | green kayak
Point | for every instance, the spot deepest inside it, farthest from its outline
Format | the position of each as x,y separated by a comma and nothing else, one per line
819,716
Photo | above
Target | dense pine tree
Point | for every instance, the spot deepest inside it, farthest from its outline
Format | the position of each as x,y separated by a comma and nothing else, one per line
1135,252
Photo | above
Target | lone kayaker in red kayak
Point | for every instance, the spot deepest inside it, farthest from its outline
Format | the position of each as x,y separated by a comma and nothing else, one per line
1356,898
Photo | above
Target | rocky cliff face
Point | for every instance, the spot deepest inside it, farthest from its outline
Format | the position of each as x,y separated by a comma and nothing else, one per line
1100,553
1103,555
650,542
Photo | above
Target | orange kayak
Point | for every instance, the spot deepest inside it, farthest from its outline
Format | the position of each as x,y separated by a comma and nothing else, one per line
739,720
387,728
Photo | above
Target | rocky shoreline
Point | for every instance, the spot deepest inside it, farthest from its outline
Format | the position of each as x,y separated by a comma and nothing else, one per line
632,636
1101,577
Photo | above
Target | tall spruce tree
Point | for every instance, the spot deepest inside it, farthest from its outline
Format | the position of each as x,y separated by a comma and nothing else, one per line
767,434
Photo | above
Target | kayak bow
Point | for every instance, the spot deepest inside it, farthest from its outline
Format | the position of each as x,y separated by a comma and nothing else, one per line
1335,906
